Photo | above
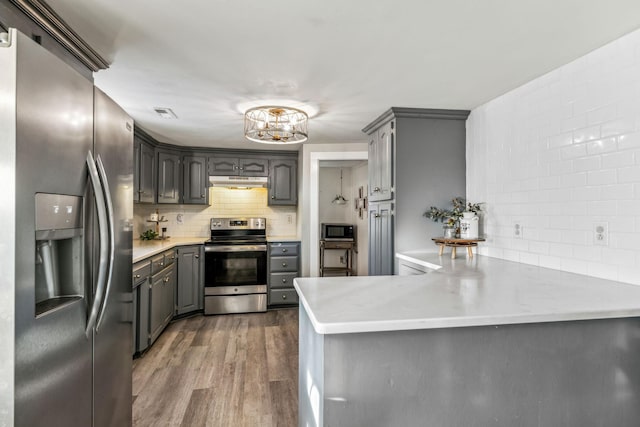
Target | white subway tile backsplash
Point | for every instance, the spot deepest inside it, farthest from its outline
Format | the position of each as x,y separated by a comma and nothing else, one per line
600,146
629,141
559,154
224,203
601,177
616,160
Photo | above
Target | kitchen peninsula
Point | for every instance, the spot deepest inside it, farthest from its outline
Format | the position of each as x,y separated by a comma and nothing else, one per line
477,341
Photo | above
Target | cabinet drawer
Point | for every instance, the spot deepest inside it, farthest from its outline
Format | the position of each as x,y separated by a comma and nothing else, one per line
169,257
282,280
157,264
283,249
284,263
283,296
141,272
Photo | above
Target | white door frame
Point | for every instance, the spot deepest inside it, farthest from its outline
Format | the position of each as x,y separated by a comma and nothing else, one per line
314,207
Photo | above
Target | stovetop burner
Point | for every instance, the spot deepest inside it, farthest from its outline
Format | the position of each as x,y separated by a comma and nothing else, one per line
237,231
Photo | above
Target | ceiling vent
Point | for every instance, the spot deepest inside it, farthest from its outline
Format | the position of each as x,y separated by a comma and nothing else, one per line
165,113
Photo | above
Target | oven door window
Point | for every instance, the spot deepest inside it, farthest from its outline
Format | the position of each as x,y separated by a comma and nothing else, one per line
235,268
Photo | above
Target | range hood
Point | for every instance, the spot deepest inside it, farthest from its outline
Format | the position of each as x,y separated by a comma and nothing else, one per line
239,181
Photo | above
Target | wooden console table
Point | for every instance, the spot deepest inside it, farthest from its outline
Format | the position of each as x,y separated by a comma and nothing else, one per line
456,243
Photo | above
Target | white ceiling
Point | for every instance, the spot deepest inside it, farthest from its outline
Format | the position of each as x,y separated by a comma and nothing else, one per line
345,62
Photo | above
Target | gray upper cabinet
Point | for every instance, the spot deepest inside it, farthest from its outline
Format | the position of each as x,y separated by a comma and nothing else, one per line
195,180
144,172
416,160
381,163
238,166
189,296
254,167
283,182
168,177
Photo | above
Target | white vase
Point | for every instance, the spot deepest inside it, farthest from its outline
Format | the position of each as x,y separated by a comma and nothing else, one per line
469,225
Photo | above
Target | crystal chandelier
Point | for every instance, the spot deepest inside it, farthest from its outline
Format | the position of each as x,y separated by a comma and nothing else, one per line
275,125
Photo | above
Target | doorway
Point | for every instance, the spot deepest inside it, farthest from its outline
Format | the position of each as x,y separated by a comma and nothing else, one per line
355,175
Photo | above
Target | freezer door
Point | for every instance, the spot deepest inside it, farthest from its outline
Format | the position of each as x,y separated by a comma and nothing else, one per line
54,131
113,143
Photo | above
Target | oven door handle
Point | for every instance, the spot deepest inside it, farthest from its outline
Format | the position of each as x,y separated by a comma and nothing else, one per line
235,248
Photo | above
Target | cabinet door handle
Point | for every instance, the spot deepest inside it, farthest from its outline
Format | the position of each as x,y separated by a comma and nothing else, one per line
273,197
202,196
162,264
141,191
241,169
377,215
166,279
137,276
284,250
284,297
284,264
284,280
197,256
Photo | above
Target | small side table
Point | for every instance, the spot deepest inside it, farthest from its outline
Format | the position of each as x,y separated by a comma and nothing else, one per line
348,246
456,243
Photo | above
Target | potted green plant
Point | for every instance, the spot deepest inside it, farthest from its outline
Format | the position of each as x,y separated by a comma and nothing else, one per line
451,217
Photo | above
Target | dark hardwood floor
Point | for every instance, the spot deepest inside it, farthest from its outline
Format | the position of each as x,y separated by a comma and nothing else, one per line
231,370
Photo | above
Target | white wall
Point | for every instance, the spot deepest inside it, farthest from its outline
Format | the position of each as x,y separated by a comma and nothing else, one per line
329,188
558,155
281,220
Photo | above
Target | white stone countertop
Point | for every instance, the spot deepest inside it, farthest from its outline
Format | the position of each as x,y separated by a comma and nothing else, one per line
463,292
145,248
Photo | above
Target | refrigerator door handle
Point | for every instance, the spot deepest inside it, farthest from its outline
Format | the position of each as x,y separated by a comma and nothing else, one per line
112,239
104,239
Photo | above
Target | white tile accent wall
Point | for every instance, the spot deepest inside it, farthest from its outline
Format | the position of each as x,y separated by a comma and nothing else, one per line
559,154
224,203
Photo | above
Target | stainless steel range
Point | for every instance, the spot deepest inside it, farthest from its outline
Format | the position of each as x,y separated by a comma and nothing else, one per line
235,277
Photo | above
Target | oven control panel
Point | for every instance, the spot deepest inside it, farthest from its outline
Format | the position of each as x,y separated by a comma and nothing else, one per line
238,223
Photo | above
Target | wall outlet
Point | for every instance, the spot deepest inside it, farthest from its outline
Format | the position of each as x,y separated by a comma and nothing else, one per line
517,230
341,260
180,219
601,233
289,219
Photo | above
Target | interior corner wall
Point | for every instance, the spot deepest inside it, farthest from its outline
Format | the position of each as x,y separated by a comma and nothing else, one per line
559,156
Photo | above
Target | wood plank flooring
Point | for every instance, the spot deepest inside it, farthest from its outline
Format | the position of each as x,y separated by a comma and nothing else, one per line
231,370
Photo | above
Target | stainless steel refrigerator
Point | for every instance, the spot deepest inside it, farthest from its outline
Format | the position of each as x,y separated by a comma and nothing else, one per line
65,245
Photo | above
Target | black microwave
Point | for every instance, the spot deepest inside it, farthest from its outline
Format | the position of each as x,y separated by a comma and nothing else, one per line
344,232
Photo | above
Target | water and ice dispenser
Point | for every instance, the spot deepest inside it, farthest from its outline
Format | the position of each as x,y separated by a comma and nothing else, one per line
59,251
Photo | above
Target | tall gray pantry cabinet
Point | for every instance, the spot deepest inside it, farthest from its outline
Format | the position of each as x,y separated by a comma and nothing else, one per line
416,160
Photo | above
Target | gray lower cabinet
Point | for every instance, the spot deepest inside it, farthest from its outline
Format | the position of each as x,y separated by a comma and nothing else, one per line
154,282
168,177
283,182
190,289
284,266
140,283
381,256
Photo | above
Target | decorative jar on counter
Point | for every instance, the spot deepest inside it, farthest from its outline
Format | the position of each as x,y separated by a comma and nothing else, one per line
469,225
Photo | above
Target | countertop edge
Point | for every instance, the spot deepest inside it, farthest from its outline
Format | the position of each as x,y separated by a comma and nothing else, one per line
162,245
407,257
628,308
